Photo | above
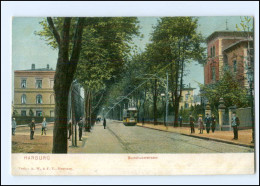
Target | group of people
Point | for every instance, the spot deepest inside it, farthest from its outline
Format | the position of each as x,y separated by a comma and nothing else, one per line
80,128
81,125
32,127
210,122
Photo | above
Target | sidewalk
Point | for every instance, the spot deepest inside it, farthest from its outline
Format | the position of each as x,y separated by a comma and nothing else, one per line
99,140
244,136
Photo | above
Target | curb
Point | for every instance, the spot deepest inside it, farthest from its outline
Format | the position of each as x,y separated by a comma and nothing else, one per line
200,137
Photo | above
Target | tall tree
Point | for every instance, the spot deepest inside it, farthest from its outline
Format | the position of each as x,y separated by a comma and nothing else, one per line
65,70
177,43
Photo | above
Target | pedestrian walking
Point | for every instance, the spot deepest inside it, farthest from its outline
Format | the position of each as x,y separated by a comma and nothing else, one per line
13,126
207,121
32,128
69,128
44,126
192,120
104,123
200,123
180,121
81,125
235,123
213,123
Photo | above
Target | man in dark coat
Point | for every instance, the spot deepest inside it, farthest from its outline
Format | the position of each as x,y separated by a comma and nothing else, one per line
32,128
80,124
180,121
213,123
192,120
104,123
235,123
207,121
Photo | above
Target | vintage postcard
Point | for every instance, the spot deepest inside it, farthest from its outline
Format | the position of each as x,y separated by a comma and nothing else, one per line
133,95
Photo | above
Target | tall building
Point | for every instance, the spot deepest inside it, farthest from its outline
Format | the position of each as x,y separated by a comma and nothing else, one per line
219,44
187,97
33,92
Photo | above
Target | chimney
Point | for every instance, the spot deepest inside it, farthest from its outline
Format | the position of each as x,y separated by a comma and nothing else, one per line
33,66
48,66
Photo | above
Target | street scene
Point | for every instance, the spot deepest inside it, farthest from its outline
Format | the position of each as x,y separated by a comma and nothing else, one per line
122,139
133,85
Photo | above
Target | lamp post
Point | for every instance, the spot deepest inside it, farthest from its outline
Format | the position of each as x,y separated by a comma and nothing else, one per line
250,78
164,117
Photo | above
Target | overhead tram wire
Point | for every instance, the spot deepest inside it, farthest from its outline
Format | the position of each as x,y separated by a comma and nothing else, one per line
138,87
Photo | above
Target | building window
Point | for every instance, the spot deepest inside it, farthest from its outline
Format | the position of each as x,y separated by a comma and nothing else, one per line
23,113
51,83
23,83
23,99
52,101
214,54
186,96
51,113
39,99
38,83
211,52
235,65
38,113
186,105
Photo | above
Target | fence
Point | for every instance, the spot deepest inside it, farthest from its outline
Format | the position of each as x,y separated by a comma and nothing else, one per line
21,120
244,115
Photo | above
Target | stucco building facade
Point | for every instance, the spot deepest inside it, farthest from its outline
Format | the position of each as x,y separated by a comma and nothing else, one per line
33,92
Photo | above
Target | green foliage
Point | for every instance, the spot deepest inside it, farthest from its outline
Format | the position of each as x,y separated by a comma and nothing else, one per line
229,89
246,24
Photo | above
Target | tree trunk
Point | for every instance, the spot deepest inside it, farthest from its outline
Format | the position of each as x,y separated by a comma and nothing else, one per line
155,102
65,70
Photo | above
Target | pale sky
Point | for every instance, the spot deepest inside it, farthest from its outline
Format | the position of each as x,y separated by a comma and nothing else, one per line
28,48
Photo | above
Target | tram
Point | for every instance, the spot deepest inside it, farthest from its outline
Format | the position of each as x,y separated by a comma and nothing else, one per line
130,116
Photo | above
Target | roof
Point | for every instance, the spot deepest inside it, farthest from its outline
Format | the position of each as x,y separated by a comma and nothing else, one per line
40,69
226,33
237,43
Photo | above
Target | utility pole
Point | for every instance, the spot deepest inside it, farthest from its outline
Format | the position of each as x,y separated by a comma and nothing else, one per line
167,100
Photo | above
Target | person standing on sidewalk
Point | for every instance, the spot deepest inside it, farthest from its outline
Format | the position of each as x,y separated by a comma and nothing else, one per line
192,120
13,126
213,123
44,125
32,128
69,128
235,123
104,123
81,125
207,121
180,121
201,125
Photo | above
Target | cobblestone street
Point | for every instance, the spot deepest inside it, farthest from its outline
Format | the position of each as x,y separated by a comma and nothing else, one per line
118,138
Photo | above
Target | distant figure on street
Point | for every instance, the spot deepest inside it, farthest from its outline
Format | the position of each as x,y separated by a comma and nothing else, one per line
104,123
207,121
44,126
69,128
13,126
213,123
180,121
192,120
235,123
32,128
201,125
81,125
